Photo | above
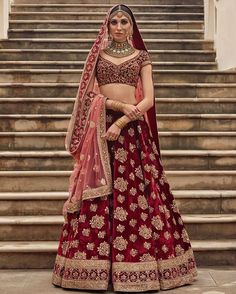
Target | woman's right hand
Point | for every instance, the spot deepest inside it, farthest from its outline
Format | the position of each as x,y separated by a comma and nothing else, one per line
131,111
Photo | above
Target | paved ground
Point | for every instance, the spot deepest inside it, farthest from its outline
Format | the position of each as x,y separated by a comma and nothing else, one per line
217,280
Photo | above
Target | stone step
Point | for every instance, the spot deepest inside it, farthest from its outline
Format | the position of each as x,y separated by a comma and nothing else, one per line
92,33
51,203
42,254
79,43
113,2
162,90
168,140
193,76
172,160
47,228
166,122
81,54
79,65
195,105
204,90
73,75
94,24
103,8
45,181
100,16
163,105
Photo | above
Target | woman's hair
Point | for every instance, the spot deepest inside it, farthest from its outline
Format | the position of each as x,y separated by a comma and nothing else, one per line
123,8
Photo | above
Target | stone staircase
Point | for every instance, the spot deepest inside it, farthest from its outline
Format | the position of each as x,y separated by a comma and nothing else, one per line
40,66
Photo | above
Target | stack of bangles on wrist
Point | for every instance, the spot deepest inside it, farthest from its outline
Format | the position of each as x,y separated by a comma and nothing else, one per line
116,105
120,122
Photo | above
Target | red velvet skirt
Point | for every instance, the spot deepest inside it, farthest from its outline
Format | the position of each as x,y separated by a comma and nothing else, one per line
134,239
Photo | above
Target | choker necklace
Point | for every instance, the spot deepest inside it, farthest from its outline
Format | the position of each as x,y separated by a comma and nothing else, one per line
119,49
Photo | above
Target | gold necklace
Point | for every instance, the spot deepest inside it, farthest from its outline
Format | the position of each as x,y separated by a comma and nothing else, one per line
119,49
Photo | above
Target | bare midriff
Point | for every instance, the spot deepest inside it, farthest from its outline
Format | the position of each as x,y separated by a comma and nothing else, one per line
119,92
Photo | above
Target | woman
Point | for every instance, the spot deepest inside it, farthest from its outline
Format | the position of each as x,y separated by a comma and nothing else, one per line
122,224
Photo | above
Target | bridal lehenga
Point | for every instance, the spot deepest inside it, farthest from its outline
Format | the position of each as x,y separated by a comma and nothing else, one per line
122,225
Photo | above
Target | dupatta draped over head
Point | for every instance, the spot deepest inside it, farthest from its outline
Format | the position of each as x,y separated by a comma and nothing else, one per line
92,176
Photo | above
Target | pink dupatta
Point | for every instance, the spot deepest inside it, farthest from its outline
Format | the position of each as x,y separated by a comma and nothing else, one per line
91,176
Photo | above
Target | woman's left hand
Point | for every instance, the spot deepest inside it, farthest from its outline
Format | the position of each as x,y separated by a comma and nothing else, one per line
112,133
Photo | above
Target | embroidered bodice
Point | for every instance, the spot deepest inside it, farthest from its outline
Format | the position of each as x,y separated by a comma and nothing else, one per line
127,72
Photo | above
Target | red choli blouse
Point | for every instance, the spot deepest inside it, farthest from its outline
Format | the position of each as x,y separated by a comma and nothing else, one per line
125,73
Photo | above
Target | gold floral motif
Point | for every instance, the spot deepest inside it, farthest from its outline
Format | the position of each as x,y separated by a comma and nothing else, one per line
147,167
157,222
109,118
185,236
120,213
121,155
94,257
143,155
156,236
120,228
163,196
120,243
132,162
154,148
180,221
121,169
90,246
139,172
64,247
153,195
65,233
145,232
154,172
161,208
120,184
179,250
101,234
133,206
119,257
133,252
144,216
97,221
151,209
176,235
133,237
82,218
142,202
147,245
146,257
132,176
74,224
147,182
121,198
167,212
80,255
164,248
132,147
131,132
106,210
93,207
133,191
174,221
174,206
167,235
86,232
121,139
141,187
104,249
152,156
139,129
74,244
133,222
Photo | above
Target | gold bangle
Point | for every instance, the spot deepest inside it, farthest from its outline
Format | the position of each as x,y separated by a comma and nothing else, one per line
116,105
120,123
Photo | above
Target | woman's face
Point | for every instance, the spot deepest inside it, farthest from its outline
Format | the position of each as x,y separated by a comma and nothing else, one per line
120,27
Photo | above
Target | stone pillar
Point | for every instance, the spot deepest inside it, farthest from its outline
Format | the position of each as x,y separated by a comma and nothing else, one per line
4,20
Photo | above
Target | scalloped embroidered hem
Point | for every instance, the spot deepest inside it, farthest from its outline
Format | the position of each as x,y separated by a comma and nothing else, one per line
126,276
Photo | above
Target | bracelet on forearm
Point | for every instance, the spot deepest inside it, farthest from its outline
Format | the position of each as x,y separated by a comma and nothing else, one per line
120,123
116,105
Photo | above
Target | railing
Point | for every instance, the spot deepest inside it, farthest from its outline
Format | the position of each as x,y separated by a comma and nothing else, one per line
220,27
5,6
